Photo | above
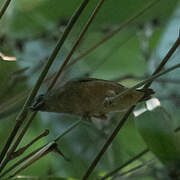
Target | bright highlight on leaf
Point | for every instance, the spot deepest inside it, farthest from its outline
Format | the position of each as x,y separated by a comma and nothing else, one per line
139,111
152,104
7,58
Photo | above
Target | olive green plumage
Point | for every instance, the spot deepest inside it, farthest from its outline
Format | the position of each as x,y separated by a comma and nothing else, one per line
85,96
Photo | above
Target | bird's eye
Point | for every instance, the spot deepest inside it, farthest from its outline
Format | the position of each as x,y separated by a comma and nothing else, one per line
40,98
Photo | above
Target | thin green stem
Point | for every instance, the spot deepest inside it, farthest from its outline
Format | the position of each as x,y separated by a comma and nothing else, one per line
148,82
125,164
106,145
112,34
39,149
15,165
4,8
39,154
166,58
130,161
21,150
129,111
143,165
68,130
109,54
22,115
76,44
60,71
115,99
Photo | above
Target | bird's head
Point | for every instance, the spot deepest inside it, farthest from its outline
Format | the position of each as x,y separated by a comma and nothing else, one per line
38,104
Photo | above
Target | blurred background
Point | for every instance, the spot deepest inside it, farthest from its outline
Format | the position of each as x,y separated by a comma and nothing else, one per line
29,31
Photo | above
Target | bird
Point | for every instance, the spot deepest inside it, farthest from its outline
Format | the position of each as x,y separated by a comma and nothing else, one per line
86,96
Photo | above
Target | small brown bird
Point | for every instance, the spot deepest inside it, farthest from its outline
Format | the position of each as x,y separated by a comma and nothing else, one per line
85,97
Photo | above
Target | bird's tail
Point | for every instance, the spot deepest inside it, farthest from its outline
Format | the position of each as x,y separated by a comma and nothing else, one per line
147,93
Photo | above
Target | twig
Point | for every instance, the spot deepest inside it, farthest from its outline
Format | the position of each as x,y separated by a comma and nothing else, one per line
125,117
23,149
166,58
134,169
130,161
13,148
4,8
106,145
125,164
39,149
24,130
123,25
131,76
60,70
39,154
113,101
77,43
68,130
57,150
154,76
22,115
98,64
20,162
108,55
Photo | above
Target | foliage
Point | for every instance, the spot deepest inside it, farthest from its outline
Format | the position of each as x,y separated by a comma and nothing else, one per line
29,32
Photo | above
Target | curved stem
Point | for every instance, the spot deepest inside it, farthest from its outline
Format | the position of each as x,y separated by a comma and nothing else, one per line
22,115
113,33
76,44
125,117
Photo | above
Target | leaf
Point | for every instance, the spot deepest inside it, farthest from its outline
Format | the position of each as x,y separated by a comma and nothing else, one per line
157,131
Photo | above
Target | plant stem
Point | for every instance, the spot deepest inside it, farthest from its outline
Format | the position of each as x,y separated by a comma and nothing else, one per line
148,82
131,76
108,55
13,148
130,161
115,100
166,58
77,43
68,130
106,145
125,164
132,170
125,117
39,154
22,115
58,74
20,162
39,149
4,8
112,34
24,148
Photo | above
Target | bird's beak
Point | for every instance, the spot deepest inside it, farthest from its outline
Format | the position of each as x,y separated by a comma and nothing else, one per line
36,106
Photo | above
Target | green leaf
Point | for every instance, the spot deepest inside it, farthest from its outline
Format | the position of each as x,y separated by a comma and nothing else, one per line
157,131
